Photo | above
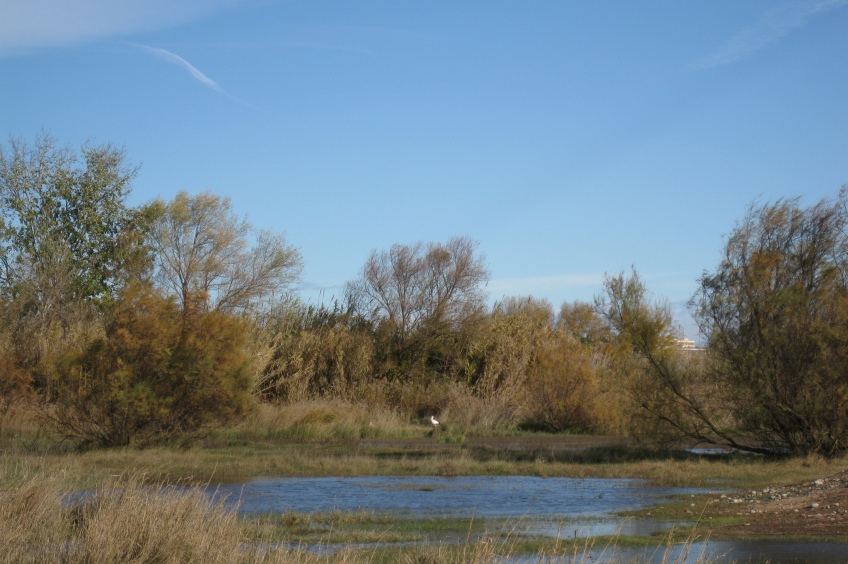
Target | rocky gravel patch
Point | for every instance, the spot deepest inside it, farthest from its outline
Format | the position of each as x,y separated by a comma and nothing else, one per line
811,509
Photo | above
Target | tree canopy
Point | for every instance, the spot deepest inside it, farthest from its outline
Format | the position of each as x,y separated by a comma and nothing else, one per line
773,377
775,313
201,246
62,218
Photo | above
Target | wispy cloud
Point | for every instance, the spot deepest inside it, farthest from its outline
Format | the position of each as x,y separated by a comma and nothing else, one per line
180,62
773,25
34,24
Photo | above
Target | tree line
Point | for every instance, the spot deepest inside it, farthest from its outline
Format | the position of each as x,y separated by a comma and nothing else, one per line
149,324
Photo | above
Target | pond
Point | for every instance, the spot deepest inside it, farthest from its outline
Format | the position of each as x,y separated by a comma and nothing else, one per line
544,506
427,496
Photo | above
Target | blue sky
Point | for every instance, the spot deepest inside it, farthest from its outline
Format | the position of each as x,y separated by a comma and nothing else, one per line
570,139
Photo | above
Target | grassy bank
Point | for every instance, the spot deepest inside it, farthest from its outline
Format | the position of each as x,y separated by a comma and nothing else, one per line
202,465
129,522
335,439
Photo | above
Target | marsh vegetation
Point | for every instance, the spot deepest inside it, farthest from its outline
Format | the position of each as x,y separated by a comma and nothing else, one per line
164,342
149,488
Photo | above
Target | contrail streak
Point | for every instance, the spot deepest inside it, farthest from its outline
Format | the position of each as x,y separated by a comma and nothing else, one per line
173,58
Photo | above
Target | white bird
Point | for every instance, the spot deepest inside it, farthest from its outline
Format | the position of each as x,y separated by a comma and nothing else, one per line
434,421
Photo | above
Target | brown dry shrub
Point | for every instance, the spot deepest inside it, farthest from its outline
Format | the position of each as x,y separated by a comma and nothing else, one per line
331,361
324,419
507,346
15,383
161,374
38,344
16,393
562,387
467,411
418,398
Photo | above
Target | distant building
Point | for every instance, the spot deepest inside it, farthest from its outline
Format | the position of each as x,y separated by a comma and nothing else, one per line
687,345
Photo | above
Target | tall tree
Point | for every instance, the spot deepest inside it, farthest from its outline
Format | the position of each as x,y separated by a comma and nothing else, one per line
62,217
775,313
66,236
410,285
420,294
202,247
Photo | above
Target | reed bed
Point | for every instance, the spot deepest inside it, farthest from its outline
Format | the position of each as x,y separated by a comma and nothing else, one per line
322,420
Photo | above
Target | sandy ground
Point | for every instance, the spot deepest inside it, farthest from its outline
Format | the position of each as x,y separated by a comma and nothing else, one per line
815,509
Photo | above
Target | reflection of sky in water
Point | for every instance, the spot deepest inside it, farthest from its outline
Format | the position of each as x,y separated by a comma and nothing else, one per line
562,507
507,496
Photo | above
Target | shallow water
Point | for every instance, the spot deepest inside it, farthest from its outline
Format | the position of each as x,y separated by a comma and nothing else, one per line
428,496
563,507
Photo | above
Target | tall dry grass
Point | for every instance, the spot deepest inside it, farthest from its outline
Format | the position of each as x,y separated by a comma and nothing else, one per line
462,412
121,521
323,419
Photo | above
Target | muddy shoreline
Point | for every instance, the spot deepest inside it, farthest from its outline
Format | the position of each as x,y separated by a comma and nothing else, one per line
815,510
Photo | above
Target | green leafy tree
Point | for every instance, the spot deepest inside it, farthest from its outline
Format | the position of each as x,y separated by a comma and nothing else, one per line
68,242
62,219
162,373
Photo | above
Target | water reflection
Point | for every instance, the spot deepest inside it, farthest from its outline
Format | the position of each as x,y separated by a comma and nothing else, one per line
563,507
505,496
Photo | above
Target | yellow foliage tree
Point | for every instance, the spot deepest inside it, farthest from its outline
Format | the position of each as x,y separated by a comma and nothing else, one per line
162,373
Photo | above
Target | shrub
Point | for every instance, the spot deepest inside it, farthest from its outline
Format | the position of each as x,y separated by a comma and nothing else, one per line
160,374
315,353
562,388
15,383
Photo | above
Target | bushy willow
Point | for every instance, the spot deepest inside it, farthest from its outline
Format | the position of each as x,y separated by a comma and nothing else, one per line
775,312
774,375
